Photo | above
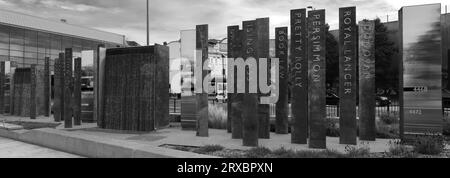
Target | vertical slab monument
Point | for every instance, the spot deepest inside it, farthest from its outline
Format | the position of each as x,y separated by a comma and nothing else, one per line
132,98
188,99
347,75
77,92
250,101
47,91
33,80
202,98
2,87
299,77
67,92
281,52
99,77
317,88
57,102
367,129
421,69
234,99
262,51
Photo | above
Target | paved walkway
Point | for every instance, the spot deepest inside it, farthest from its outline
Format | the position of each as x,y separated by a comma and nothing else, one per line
176,136
15,149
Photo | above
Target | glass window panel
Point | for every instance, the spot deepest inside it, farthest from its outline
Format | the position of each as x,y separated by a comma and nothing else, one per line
55,44
4,52
16,39
16,59
88,45
77,47
66,42
43,42
4,58
41,56
14,53
31,55
30,41
4,37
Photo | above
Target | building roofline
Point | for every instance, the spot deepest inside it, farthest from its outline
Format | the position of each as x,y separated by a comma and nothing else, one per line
60,23
49,20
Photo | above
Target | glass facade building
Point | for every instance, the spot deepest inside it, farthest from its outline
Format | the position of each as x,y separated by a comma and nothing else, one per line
24,42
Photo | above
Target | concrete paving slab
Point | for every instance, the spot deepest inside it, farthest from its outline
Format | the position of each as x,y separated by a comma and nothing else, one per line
15,149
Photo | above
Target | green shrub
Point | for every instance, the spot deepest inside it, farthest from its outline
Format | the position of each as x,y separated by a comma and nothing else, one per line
357,152
430,144
208,149
332,127
387,131
284,153
446,128
217,117
397,148
258,152
319,154
388,119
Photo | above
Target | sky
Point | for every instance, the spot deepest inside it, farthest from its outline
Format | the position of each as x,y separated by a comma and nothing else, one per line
168,17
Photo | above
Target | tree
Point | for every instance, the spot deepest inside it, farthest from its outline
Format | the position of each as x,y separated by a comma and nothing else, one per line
386,66
332,61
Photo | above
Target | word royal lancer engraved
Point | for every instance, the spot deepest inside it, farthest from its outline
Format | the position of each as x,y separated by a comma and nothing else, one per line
347,75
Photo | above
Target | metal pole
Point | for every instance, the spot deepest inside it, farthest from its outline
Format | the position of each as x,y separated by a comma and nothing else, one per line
148,42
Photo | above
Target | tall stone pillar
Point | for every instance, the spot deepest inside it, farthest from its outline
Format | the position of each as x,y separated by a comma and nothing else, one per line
299,77
347,75
47,87
250,101
57,91
262,51
99,76
317,88
33,79
234,101
2,88
67,108
77,92
281,52
367,130
202,98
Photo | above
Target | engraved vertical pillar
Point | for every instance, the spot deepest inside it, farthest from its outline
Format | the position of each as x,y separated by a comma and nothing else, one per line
299,77
317,88
202,98
77,92
281,52
367,130
250,101
347,75
67,108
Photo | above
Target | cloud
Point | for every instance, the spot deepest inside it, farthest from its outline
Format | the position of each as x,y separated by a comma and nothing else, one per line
168,17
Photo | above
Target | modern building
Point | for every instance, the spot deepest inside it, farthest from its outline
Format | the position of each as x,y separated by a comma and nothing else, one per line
217,54
26,39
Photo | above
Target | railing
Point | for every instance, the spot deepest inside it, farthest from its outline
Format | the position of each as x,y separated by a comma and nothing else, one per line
392,109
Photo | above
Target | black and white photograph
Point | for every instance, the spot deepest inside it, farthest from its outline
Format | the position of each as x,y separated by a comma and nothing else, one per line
258,80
